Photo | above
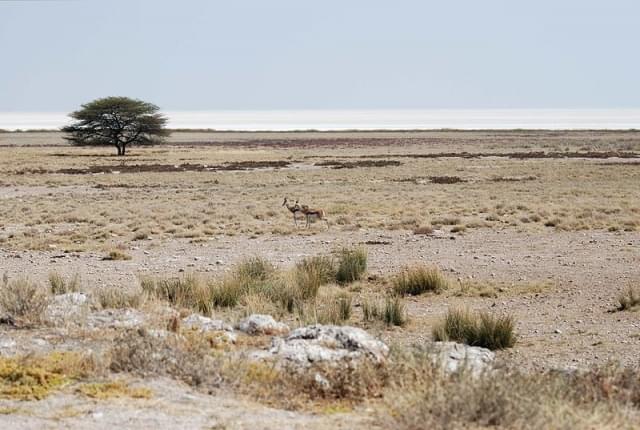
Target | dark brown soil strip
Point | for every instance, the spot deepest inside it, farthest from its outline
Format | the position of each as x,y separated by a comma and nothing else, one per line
356,164
144,168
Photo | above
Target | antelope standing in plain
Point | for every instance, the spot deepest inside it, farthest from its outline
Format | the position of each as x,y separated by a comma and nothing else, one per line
294,209
314,213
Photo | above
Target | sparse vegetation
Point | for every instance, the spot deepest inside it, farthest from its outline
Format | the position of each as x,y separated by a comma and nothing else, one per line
418,280
352,264
476,329
418,396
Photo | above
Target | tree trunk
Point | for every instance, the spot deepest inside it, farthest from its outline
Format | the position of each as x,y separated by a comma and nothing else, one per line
119,149
123,148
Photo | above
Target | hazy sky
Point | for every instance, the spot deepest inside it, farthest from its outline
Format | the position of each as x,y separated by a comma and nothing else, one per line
334,54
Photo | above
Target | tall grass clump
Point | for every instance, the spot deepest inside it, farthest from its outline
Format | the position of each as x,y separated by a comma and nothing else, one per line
61,286
371,310
476,329
23,298
352,264
313,272
254,269
119,298
419,280
629,299
336,310
394,312
186,292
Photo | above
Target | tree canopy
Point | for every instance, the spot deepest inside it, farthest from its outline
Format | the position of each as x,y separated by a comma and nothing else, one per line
117,121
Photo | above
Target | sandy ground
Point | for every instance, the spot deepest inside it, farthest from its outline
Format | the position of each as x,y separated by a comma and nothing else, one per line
569,323
561,286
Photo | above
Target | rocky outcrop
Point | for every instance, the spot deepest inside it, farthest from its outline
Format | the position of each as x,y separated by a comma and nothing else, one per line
205,325
67,307
116,318
454,357
258,324
327,343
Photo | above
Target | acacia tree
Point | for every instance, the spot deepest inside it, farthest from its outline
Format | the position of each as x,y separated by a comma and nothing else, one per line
117,121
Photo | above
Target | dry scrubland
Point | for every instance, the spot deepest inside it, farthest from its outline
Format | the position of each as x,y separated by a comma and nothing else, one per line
525,243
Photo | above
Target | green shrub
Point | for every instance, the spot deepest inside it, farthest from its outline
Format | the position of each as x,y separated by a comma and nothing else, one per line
418,280
352,265
476,329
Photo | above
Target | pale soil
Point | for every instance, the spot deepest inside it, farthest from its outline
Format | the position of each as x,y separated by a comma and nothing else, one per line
173,406
584,272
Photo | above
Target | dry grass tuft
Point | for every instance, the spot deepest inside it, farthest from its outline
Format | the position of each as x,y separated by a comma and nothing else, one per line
61,286
188,291
419,280
395,312
352,264
629,299
476,329
335,310
23,299
113,389
188,359
312,273
421,396
119,298
35,377
117,255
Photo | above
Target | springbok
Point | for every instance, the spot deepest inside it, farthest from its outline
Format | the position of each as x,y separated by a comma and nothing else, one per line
313,213
294,209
